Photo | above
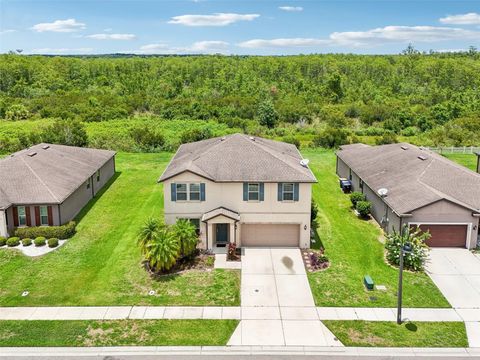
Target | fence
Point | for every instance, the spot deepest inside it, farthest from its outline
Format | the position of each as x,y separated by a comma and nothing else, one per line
455,150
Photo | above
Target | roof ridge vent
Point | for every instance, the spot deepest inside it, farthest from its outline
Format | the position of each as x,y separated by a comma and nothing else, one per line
32,154
422,157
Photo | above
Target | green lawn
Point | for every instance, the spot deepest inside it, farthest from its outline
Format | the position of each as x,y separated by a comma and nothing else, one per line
116,332
467,160
354,250
389,334
101,264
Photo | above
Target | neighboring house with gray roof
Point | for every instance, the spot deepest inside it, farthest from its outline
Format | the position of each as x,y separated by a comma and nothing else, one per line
242,189
48,184
424,189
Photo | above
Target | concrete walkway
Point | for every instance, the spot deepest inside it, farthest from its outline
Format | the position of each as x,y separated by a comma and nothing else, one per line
277,303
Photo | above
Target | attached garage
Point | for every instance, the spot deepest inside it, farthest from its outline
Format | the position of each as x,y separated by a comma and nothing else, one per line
446,235
270,235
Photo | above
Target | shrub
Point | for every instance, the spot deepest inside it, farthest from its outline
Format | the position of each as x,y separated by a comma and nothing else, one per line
292,140
232,252
363,208
387,138
318,261
3,241
313,211
187,237
40,241
415,260
60,232
53,242
162,250
13,241
26,242
355,197
331,138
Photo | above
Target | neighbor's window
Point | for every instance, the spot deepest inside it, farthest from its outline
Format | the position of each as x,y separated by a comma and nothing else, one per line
43,215
22,216
194,192
196,223
287,191
360,183
182,192
98,175
253,192
88,183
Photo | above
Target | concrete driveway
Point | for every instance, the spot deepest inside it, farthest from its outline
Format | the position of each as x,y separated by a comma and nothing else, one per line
277,303
456,272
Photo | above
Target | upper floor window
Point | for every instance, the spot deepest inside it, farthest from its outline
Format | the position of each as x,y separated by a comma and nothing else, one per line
287,191
253,192
194,192
43,215
22,216
182,192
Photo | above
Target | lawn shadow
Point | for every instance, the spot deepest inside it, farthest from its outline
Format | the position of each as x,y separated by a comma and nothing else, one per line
97,197
318,242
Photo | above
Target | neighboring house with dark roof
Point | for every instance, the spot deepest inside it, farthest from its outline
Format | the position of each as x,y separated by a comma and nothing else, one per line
242,189
424,189
48,184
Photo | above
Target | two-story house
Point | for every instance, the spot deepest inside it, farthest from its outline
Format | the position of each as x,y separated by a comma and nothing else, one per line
242,189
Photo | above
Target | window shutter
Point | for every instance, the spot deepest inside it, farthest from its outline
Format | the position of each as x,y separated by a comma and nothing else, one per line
27,215
15,216
279,193
173,188
37,215
50,215
202,191
245,191
262,191
296,187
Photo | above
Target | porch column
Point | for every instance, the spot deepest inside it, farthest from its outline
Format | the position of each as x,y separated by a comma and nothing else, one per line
232,232
3,223
210,237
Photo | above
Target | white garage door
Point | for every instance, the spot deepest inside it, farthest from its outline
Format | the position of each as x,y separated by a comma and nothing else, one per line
270,235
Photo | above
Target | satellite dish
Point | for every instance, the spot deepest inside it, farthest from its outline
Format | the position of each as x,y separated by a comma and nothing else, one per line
382,192
304,162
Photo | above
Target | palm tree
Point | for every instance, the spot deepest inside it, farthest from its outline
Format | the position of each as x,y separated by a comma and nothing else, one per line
187,236
148,232
162,250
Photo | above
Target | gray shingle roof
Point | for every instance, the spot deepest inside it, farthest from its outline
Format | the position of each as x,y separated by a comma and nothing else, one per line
238,158
412,182
48,177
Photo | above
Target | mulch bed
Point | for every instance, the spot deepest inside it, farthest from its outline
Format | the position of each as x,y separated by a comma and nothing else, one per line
315,260
201,261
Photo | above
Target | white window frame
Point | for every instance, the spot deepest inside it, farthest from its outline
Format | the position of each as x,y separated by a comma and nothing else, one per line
194,192
288,192
177,186
253,192
20,216
42,216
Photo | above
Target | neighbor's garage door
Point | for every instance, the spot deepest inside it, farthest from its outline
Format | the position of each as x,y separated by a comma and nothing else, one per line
270,235
446,235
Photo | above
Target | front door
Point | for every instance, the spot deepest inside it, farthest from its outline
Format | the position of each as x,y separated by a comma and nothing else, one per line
221,234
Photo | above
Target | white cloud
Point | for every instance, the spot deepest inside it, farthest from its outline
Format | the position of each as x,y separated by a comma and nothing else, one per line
199,47
291,8
209,46
217,19
287,42
153,48
402,34
112,36
61,51
462,19
69,25
7,31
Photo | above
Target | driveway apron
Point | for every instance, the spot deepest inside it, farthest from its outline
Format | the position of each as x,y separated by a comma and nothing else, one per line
277,303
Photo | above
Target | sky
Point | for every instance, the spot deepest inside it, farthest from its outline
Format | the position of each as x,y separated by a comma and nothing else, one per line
261,27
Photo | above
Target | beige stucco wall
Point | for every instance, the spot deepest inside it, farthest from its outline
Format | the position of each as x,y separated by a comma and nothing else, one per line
230,196
448,213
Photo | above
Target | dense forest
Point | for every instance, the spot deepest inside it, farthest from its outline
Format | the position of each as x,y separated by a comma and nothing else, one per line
156,103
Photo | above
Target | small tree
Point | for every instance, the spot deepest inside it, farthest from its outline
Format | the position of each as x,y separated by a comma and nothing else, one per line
355,197
163,250
148,232
17,112
267,115
66,132
415,260
187,237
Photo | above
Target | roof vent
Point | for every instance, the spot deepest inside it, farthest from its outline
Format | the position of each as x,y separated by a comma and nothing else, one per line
223,138
252,138
422,157
32,154
404,147
304,162
45,147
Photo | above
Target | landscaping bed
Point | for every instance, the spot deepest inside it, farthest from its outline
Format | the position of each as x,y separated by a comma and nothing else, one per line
389,334
56,333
